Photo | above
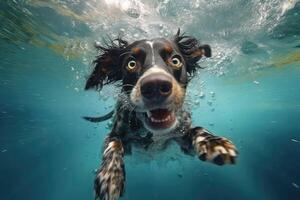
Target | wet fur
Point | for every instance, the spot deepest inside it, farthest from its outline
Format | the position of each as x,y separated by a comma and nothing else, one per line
128,123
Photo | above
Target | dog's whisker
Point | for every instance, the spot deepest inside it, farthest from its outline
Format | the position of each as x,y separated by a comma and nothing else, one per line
125,53
125,85
131,111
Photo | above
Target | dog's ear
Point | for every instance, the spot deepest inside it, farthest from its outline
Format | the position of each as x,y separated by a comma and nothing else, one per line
191,50
201,51
107,65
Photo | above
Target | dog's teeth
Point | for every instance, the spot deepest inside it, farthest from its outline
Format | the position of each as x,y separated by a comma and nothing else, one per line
166,119
169,117
148,113
154,120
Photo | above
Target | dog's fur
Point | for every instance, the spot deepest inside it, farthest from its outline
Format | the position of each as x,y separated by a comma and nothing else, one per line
153,75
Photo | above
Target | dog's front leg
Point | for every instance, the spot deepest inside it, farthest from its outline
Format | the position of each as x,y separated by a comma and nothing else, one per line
110,179
209,147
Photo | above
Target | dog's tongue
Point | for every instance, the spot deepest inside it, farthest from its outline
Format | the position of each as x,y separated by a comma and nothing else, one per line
160,113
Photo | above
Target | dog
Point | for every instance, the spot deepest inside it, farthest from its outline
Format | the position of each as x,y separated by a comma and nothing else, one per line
153,76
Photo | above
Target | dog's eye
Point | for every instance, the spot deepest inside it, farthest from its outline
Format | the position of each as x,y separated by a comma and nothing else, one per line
131,65
176,62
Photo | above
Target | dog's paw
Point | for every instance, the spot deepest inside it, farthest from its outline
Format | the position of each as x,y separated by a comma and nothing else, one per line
109,182
110,179
217,150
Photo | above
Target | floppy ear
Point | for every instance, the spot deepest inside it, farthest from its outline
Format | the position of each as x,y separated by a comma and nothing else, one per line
191,50
107,65
203,50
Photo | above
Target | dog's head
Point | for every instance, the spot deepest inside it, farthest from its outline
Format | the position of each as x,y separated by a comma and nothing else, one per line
154,75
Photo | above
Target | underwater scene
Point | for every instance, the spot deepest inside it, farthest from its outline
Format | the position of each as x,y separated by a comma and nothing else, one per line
247,91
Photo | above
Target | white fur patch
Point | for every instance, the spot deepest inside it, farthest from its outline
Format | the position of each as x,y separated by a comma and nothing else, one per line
199,139
232,152
152,51
109,146
220,149
154,70
135,95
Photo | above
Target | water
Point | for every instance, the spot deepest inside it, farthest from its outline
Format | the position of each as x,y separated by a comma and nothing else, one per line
248,92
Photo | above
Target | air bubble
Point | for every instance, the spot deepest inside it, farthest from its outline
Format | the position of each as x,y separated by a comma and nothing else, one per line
201,95
295,185
294,140
97,44
109,124
4,150
132,12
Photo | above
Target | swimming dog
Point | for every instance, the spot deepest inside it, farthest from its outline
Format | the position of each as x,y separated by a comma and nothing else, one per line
149,113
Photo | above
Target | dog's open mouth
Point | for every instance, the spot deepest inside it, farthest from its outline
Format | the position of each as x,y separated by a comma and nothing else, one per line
160,118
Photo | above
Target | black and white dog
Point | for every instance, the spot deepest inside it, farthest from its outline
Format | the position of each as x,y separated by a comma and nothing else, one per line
154,75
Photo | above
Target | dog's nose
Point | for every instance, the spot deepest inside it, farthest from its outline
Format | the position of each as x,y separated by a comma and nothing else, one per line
156,87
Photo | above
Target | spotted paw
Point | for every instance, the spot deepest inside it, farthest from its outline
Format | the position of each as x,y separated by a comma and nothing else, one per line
109,182
110,179
217,150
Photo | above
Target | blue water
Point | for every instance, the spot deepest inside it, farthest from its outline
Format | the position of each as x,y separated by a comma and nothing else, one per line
248,92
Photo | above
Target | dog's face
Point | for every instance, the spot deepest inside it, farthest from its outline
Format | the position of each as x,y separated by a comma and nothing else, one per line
159,79
154,76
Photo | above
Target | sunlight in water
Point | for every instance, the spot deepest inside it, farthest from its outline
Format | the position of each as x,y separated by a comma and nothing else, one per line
122,4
